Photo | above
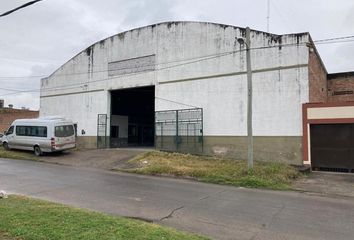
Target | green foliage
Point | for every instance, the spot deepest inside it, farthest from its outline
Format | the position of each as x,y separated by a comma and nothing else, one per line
269,175
27,219
17,154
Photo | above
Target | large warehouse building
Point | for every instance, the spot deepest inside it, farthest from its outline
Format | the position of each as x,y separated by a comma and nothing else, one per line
182,86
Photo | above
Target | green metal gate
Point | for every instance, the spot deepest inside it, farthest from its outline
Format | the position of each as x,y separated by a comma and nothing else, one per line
179,130
102,131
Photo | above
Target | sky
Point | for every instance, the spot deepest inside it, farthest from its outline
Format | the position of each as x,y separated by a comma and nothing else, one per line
37,40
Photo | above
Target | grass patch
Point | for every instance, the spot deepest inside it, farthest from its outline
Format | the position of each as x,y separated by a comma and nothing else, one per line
5,236
17,154
27,219
269,175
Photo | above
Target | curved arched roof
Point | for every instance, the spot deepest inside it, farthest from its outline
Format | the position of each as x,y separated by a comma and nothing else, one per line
169,24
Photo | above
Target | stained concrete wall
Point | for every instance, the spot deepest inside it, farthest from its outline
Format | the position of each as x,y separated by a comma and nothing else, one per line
276,148
196,64
82,108
286,149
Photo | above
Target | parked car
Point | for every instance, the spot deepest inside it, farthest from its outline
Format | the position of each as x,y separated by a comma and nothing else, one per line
1,137
50,134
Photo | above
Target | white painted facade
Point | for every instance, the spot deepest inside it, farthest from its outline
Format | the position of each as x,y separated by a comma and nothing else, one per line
191,69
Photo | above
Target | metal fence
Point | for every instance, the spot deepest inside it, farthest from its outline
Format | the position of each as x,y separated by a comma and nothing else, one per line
179,130
102,131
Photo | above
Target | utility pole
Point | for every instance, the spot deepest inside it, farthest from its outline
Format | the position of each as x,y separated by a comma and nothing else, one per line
247,41
249,99
268,15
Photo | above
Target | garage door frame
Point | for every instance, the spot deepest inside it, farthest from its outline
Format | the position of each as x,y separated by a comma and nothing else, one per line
323,113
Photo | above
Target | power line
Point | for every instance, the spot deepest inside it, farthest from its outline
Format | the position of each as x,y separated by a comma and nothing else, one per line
336,38
201,58
320,41
280,13
18,8
339,41
180,103
126,68
8,89
84,84
68,87
159,69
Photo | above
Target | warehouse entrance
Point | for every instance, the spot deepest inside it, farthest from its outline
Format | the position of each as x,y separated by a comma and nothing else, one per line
132,117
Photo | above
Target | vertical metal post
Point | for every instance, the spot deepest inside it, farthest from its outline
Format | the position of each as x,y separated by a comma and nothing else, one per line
155,131
161,136
202,129
187,135
249,100
177,140
98,131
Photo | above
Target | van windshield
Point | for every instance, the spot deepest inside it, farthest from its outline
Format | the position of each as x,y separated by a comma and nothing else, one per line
64,131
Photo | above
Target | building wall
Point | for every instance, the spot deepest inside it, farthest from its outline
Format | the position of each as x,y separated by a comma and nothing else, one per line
7,116
277,119
341,87
317,78
183,79
82,108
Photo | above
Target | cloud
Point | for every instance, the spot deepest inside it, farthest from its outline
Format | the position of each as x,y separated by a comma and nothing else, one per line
38,39
27,100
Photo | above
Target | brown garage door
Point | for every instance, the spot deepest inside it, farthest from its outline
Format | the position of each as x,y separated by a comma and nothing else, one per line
332,147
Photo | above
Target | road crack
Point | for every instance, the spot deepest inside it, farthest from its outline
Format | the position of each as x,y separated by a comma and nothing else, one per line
171,213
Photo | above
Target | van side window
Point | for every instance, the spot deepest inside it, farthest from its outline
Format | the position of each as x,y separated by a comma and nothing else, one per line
10,131
64,131
31,131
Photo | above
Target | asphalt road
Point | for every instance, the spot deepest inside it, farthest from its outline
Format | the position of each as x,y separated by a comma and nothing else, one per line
220,212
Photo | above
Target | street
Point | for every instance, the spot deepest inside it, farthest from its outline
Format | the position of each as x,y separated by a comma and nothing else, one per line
221,212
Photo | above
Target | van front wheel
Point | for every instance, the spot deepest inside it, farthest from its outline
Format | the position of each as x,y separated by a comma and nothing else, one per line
37,151
6,146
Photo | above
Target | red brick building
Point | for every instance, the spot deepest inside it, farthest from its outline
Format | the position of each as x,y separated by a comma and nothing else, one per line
341,87
328,119
8,115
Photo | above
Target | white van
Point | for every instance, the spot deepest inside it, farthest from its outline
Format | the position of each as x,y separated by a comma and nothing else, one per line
49,134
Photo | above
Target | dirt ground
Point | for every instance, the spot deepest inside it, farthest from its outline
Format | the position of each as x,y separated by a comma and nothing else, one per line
96,158
327,183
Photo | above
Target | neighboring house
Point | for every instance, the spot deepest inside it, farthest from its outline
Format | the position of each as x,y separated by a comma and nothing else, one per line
328,126
125,90
8,115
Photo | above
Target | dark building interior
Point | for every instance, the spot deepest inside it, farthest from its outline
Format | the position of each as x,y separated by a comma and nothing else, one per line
138,104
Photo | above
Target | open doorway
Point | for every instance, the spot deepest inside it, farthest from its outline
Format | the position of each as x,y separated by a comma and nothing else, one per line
132,117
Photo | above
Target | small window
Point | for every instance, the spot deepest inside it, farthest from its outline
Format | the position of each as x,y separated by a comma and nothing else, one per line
10,131
21,131
42,131
64,131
